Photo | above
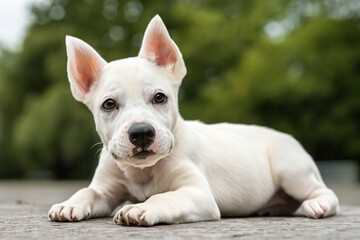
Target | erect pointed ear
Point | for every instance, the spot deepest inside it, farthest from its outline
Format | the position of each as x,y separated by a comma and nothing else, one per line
84,67
159,48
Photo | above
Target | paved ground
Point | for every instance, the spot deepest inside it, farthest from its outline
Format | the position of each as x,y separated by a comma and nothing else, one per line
24,207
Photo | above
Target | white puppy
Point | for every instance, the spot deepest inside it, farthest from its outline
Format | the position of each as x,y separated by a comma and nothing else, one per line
174,170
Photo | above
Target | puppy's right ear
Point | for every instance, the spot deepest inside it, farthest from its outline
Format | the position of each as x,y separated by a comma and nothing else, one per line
84,67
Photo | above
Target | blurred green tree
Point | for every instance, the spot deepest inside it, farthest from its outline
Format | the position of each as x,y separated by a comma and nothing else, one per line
307,86
288,64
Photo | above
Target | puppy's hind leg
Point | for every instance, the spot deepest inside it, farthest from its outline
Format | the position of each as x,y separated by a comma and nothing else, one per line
295,172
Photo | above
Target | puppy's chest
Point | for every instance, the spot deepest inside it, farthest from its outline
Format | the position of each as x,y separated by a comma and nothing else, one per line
141,188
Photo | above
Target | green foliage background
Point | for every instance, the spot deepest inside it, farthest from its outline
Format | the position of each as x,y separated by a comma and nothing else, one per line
293,65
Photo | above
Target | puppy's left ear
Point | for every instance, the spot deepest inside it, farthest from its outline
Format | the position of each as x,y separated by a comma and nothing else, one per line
159,48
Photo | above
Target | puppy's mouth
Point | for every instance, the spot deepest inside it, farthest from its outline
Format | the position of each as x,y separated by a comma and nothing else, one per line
143,154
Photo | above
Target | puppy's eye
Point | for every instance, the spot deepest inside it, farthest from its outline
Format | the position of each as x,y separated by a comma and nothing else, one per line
109,105
159,98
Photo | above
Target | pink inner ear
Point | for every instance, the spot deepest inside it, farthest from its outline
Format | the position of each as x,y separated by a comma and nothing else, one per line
163,50
86,69
164,54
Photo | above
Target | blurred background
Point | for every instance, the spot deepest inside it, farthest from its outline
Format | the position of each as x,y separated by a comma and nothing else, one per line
292,65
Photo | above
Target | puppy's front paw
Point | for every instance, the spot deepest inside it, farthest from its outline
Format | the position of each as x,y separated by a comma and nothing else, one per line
315,208
64,212
135,215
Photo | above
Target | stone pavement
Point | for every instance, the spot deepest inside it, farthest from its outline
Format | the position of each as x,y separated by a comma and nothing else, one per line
24,207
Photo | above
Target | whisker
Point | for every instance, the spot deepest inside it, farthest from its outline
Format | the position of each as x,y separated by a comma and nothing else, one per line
96,144
98,152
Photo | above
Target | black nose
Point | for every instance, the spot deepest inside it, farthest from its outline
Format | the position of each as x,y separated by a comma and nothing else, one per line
141,135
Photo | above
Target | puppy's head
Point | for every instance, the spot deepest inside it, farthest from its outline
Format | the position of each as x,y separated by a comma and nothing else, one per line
133,100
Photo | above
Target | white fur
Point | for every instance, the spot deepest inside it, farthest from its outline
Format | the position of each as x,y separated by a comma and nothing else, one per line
198,172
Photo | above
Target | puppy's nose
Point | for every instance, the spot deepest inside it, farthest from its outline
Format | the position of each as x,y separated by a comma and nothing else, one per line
141,135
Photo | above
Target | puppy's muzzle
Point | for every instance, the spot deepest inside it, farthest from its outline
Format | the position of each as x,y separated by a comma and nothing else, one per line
142,135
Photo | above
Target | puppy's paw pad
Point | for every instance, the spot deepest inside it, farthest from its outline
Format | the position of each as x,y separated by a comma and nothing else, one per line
315,208
132,215
64,212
